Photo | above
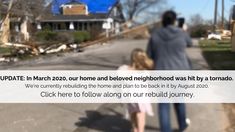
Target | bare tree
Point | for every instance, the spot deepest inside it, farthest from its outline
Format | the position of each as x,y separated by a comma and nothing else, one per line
196,20
30,7
134,7
5,25
200,27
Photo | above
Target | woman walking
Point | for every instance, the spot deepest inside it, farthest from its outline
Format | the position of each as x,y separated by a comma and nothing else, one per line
167,47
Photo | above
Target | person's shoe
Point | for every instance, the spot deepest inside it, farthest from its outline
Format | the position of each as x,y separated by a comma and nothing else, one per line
188,122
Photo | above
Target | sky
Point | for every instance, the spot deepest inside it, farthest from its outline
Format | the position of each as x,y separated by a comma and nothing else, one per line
205,8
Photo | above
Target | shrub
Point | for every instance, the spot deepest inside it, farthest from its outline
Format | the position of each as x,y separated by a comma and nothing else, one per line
81,36
62,37
199,30
46,35
5,50
65,37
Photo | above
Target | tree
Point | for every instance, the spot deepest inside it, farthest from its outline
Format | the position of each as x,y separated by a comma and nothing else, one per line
196,20
31,8
133,8
199,27
5,25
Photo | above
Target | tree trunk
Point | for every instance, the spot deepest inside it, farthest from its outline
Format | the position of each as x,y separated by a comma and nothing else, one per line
4,38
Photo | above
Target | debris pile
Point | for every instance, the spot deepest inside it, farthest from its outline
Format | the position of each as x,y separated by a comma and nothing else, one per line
29,49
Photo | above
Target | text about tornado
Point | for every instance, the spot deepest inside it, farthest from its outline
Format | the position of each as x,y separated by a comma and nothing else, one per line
117,87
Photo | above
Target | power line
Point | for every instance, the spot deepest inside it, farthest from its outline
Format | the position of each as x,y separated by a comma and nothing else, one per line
222,14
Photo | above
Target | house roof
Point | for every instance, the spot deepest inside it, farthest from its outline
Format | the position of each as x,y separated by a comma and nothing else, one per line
73,2
94,6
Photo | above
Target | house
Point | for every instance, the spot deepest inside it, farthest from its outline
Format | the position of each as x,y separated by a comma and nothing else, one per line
81,15
18,24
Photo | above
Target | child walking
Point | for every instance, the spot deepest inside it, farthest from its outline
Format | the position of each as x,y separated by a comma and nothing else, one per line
137,111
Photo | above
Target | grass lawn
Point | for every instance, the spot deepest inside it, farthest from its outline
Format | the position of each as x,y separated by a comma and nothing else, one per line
219,57
5,50
218,54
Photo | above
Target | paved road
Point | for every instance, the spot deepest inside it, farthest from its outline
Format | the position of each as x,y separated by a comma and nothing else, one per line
98,117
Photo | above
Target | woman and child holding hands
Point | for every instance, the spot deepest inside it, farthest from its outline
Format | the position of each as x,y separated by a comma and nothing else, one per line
165,51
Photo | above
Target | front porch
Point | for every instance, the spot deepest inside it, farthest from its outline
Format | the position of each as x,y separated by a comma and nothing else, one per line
70,26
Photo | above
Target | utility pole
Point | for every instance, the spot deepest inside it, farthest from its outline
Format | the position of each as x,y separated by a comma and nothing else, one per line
233,28
1,10
222,15
215,14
